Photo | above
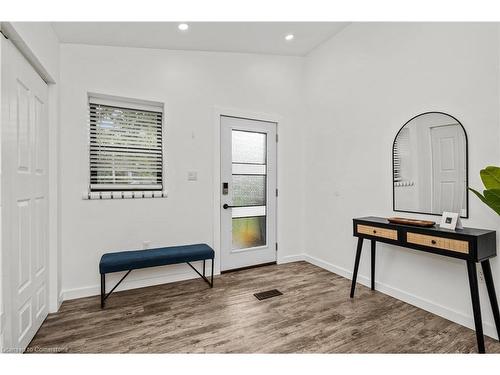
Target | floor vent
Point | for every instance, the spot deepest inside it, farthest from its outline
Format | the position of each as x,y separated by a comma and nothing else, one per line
267,294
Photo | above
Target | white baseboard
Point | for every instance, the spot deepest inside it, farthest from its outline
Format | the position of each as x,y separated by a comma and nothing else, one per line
95,290
292,258
425,304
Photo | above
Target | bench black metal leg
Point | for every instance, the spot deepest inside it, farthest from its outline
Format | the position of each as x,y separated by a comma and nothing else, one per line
356,265
373,263
488,278
211,282
103,289
476,307
104,296
212,277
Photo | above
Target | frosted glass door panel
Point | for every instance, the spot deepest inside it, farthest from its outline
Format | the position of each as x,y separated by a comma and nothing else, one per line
249,190
249,147
249,232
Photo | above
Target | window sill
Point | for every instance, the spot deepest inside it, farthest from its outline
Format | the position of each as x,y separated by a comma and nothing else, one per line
98,195
403,183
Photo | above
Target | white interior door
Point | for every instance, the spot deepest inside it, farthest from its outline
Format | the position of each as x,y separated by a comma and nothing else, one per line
448,169
248,192
24,197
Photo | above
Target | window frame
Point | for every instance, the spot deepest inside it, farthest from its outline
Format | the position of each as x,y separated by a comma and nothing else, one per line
128,104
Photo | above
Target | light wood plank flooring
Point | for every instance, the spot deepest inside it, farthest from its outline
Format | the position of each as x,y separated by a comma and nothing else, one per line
314,315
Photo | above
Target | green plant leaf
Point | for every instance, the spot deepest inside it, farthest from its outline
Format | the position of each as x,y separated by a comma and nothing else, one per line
479,195
491,177
492,197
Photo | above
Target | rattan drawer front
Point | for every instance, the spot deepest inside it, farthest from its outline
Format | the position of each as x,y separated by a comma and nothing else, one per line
438,242
378,232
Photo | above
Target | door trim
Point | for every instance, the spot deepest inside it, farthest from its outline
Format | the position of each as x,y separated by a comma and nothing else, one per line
245,114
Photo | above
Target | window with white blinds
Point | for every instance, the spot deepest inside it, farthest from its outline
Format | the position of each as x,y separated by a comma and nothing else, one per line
401,156
126,150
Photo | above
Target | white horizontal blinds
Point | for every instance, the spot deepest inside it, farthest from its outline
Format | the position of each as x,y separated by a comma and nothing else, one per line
125,148
400,153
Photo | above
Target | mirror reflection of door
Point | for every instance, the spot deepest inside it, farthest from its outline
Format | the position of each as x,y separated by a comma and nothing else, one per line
248,192
448,171
430,165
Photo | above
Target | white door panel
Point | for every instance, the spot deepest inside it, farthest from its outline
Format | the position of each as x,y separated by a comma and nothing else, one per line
448,171
24,197
248,167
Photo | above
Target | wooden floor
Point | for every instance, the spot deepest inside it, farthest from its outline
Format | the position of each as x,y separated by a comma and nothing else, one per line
314,315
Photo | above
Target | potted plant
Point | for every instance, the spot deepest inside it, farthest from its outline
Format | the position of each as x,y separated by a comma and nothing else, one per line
491,193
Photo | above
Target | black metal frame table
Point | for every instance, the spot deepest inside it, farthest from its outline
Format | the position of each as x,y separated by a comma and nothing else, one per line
469,244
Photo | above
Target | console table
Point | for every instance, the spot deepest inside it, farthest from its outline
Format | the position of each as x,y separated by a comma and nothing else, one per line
471,245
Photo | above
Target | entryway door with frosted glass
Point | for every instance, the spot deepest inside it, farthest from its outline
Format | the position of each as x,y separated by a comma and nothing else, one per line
248,192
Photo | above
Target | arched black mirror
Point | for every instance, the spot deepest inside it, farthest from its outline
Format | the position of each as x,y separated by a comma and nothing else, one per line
429,168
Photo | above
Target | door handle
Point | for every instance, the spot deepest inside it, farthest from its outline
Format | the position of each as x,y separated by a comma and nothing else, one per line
226,206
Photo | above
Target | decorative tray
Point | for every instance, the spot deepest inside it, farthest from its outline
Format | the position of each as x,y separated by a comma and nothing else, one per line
415,222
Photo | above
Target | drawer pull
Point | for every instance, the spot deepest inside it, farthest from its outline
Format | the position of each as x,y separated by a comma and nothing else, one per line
433,242
374,231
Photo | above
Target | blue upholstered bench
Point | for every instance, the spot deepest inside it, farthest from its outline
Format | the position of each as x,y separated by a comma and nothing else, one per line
132,260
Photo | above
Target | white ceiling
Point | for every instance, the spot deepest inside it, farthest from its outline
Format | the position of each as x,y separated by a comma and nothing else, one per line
247,37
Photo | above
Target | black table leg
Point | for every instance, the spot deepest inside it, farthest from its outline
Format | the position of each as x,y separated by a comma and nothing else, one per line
356,265
373,263
488,278
476,307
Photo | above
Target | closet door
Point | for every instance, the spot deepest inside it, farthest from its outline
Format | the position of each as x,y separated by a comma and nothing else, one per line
24,198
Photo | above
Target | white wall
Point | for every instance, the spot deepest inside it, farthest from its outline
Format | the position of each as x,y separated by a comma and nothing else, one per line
190,84
362,86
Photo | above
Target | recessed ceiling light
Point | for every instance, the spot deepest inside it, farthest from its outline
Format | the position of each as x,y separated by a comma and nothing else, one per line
183,26
289,37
